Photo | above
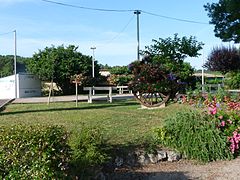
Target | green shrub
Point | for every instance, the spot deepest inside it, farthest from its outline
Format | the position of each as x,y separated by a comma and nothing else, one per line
232,80
195,135
33,152
89,148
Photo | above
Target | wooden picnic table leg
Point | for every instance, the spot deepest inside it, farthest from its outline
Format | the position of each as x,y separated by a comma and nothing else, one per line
110,94
90,95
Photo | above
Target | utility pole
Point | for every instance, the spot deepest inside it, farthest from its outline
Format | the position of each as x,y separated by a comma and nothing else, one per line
137,12
15,61
93,60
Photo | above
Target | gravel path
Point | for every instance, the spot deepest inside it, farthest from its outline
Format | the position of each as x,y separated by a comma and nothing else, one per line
182,170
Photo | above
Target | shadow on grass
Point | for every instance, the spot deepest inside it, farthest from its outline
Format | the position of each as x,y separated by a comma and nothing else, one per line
96,105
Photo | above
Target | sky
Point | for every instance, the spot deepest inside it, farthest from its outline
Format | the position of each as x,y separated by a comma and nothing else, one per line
41,24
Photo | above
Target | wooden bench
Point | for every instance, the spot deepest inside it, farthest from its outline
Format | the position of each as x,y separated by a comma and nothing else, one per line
122,89
90,89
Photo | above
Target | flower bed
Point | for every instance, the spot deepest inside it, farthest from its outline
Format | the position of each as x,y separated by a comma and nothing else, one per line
224,111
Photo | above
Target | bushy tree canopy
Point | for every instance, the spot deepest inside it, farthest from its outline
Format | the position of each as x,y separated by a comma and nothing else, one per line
59,64
223,59
120,75
170,54
226,18
119,70
163,67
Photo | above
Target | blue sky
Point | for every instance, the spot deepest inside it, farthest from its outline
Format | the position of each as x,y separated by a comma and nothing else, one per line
40,24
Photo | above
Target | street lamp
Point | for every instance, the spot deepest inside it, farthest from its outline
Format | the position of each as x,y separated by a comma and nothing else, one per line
93,59
15,61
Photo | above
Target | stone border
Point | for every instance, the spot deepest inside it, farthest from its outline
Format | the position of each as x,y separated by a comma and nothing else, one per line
138,158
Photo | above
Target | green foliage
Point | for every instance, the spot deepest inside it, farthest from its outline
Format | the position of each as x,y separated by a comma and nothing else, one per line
120,80
7,65
33,152
120,75
89,149
120,70
232,80
59,64
213,80
163,68
173,49
225,16
195,135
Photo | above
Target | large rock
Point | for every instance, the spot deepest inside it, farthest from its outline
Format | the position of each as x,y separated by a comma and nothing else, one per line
173,156
161,155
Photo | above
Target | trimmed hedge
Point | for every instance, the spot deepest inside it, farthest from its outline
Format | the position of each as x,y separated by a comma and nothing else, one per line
194,135
33,152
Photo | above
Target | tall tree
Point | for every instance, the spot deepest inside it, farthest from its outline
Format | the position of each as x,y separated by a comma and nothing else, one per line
161,73
224,59
59,64
225,16
170,54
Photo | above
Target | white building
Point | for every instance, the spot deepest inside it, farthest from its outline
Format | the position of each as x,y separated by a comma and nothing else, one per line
27,85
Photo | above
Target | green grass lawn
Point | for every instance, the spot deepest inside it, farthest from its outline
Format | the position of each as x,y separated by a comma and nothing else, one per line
121,122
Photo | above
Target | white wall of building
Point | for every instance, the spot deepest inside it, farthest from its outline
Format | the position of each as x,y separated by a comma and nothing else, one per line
7,87
27,86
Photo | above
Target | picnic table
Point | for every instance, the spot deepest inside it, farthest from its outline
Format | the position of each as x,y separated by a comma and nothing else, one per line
122,89
90,94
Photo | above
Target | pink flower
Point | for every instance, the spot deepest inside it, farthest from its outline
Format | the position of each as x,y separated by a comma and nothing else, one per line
220,117
212,110
229,121
223,123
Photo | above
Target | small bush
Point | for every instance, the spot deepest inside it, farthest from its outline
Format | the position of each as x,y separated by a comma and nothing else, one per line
89,149
33,152
232,80
195,135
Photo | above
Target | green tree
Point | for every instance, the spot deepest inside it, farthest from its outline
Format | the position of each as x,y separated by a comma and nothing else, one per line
226,18
170,54
163,70
120,70
120,75
60,64
7,65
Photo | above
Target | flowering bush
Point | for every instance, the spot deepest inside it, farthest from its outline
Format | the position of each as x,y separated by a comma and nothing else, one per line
228,121
194,135
160,73
151,78
225,113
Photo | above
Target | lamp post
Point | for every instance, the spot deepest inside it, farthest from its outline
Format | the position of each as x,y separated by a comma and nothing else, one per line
15,61
93,60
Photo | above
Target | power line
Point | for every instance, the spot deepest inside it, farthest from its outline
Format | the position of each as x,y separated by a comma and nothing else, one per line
173,18
123,29
124,10
10,32
89,8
